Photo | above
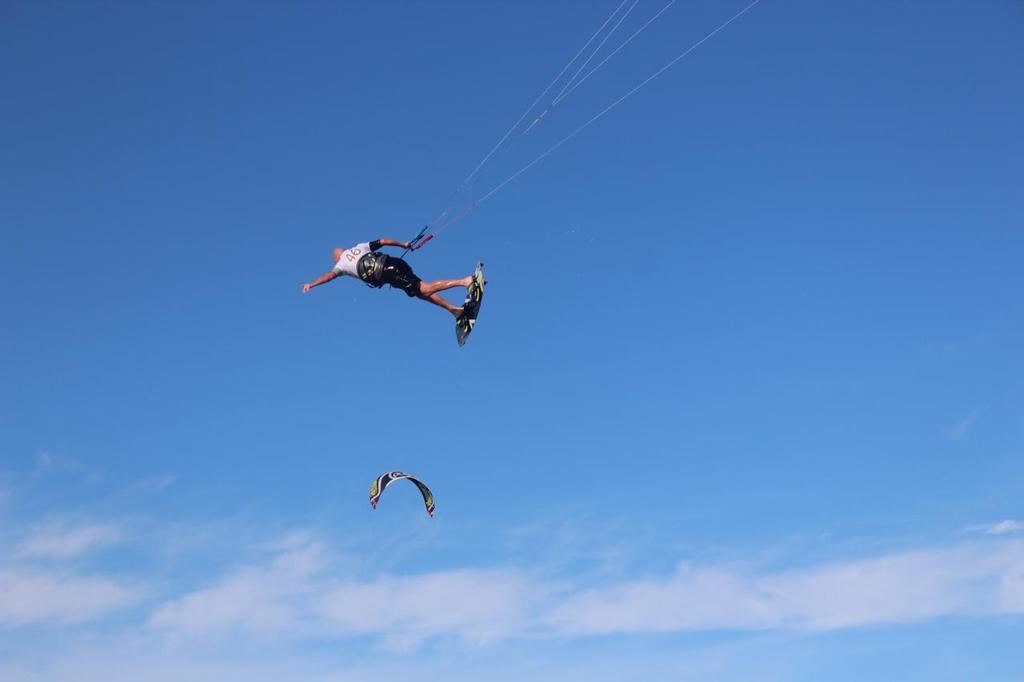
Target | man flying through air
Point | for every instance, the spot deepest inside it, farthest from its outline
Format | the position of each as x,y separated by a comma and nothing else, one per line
366,262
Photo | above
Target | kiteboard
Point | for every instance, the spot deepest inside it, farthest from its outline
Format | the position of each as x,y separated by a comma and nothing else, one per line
471,307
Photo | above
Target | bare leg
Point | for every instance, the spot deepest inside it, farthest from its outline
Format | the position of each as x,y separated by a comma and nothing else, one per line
428,288
438,299
429,292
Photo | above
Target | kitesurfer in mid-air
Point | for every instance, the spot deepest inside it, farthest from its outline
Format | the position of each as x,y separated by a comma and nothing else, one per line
366,262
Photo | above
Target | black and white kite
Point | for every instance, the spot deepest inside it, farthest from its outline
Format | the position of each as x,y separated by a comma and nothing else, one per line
384,480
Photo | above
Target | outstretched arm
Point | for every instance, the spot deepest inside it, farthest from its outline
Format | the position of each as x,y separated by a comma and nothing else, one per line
384,241
322,279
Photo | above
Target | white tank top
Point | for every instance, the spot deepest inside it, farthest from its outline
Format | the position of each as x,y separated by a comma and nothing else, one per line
346,265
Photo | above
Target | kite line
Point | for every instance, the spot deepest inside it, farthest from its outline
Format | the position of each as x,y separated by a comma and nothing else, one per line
422,238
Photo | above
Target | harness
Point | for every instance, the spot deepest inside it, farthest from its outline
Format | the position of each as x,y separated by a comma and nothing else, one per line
370,267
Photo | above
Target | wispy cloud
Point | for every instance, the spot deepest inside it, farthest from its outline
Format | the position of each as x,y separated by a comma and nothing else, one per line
476,606
32,597
960,431
297,589
295,593
48,463
1000,528
261,599
294,590
128,659
964,581
154,483
60,543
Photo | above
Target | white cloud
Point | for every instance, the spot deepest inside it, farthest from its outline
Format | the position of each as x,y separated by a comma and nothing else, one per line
963,581
55,542
129,659
1000,528
29,597
960,431
262,599
110,659
292,540
292,592
478,606
295,594
154,483
51,463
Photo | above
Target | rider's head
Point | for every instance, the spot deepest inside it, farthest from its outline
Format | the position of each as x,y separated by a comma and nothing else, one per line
337,254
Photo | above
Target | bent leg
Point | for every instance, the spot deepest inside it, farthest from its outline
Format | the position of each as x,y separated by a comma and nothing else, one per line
438,299
428,289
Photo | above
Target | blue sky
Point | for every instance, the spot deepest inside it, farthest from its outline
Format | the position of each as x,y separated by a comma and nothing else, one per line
745,400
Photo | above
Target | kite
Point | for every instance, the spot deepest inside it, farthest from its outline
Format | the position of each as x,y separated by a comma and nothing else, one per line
384,480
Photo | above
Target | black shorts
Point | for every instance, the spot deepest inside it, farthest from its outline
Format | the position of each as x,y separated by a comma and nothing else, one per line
399,275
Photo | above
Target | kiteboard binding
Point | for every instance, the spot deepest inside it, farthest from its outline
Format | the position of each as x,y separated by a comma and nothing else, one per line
471,307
